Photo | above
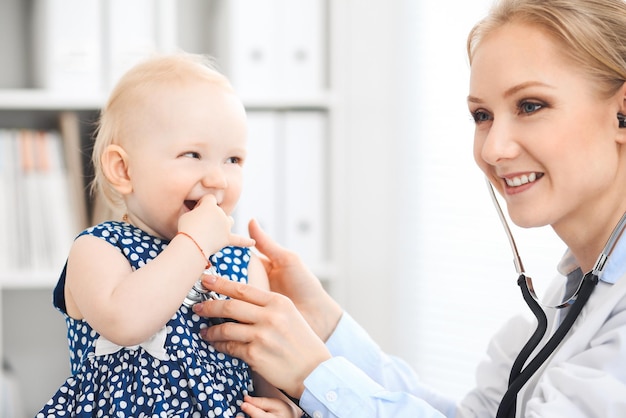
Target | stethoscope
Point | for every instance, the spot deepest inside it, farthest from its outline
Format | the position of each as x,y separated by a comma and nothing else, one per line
519,374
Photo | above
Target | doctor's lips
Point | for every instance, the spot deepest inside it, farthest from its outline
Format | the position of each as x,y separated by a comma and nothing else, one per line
521,180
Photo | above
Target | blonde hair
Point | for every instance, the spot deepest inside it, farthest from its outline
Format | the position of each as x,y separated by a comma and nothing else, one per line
131,92
592,33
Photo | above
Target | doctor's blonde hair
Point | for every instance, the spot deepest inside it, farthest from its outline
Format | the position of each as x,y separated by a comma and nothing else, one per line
131,93
592,33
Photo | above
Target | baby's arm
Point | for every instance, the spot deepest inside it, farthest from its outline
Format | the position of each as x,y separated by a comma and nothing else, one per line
127,307
258,407
270,401
257,276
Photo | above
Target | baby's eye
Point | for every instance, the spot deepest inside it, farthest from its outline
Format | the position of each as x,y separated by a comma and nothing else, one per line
234,160
480,116
530,107
191,154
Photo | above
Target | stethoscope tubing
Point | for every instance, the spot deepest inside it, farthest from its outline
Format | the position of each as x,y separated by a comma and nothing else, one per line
508,404
535,339
520,375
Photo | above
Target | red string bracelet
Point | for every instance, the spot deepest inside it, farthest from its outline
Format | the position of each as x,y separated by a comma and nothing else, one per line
208,263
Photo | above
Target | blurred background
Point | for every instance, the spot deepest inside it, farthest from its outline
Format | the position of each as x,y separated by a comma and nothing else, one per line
360,160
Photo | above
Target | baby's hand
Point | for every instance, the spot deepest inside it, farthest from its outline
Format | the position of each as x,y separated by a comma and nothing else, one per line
211,226
258,407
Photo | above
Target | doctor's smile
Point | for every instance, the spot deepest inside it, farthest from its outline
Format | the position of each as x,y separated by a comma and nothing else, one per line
523,179
520,183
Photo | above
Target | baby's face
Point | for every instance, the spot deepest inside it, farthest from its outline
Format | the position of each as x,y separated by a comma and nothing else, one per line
184,143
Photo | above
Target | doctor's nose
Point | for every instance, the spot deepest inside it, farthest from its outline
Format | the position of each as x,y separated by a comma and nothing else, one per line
500,143
214,178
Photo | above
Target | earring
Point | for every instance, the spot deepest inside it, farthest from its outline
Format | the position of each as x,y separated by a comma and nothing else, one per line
621,120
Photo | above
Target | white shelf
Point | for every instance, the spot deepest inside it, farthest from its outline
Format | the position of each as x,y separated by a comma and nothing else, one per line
319,101
28,279
40,99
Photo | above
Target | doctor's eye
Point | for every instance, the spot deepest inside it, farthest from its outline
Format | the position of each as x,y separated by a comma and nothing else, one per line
528,107
480,116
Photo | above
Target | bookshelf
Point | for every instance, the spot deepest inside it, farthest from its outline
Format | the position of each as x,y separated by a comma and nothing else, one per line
35,95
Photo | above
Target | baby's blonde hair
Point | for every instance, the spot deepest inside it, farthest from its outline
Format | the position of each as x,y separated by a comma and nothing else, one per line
130,92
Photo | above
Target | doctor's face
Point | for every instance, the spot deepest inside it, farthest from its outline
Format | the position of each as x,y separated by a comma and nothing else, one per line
544,136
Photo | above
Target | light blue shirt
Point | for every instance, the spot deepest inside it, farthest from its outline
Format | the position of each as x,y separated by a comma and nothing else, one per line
613,269
362,381
616,263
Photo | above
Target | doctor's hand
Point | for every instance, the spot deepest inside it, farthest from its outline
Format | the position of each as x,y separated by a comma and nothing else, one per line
290,277
270,334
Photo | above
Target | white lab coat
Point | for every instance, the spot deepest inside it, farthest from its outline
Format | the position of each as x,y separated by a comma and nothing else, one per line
585,377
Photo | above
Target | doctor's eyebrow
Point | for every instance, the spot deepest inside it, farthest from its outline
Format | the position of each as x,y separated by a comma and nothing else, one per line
511,91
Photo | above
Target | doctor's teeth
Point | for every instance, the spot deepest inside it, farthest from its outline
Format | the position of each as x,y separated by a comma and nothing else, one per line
518,181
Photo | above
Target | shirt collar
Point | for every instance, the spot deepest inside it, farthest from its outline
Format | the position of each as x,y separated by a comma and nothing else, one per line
614,268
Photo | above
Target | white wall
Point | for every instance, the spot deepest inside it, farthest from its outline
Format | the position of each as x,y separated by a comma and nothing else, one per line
427,267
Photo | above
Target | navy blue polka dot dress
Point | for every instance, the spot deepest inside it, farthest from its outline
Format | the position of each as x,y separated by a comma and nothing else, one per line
185,377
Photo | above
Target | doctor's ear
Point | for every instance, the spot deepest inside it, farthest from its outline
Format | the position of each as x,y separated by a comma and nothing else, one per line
114,162
621,115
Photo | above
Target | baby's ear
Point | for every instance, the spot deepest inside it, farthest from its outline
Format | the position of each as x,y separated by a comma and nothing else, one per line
115,169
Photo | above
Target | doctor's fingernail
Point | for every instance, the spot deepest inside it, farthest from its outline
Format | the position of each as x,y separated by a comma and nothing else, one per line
209,278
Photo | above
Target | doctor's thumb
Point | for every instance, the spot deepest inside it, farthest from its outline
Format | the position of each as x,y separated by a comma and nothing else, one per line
264,243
